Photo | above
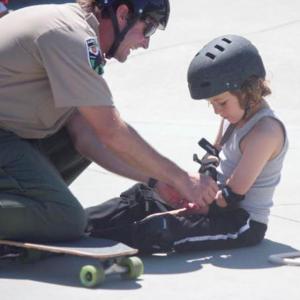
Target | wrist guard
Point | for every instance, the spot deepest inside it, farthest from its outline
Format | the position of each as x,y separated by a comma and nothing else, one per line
230,197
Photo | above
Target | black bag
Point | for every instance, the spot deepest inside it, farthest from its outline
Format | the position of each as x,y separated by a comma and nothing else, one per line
133,205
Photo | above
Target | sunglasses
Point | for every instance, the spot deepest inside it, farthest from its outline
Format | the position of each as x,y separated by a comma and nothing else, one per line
150,28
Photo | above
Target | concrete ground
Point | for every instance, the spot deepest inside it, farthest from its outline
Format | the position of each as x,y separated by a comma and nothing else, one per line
151,92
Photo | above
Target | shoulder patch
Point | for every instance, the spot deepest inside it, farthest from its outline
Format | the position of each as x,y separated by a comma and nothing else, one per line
94,55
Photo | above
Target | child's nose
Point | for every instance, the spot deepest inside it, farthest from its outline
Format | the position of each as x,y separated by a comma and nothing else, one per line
217,109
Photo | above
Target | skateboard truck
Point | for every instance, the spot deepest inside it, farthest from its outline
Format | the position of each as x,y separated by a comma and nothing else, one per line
128,267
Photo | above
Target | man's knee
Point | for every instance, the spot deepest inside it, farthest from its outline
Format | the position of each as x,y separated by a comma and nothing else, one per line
70,226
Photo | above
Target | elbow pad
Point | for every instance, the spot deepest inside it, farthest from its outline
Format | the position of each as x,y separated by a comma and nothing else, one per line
231,197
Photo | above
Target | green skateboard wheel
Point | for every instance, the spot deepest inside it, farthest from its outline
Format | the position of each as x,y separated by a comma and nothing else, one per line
90,276
135,267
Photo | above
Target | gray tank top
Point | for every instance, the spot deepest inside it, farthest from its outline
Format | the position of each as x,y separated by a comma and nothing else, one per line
259,198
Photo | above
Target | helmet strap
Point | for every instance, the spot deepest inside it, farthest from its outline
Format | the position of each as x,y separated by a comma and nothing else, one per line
119,35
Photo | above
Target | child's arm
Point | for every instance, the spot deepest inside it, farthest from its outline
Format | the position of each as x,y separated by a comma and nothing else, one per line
262,144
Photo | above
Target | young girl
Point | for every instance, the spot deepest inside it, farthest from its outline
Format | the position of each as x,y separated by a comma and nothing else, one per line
229,73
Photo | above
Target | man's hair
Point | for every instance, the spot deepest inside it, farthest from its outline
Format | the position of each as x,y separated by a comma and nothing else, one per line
87,5
252,92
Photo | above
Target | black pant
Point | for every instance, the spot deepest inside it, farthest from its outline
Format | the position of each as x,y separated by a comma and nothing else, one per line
124,219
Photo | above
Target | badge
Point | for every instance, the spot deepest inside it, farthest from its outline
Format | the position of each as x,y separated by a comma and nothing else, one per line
94,55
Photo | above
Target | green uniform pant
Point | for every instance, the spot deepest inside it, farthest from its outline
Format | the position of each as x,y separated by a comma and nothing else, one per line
35,201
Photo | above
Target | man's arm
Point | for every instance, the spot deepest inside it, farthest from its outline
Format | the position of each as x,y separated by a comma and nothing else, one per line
87,144
131,149
82,135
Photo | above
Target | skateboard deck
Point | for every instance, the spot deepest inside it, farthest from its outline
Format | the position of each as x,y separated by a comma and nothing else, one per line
114,257
177,212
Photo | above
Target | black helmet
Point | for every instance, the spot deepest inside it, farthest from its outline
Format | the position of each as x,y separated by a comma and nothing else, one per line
158,10
223,65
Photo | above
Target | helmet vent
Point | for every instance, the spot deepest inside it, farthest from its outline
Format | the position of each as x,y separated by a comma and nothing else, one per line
227,40
210,55
220,48
205,84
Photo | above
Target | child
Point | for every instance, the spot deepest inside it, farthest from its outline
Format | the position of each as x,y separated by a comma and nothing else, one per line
229,73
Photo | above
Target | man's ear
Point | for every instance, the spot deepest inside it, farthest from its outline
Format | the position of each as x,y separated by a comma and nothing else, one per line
122,15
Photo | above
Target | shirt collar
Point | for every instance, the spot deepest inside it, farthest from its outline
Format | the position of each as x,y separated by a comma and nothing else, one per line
93,22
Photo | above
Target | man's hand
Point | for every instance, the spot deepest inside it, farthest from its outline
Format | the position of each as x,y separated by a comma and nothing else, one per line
170,195
200,190
176,200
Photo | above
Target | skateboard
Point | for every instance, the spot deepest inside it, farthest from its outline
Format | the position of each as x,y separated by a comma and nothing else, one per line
113,257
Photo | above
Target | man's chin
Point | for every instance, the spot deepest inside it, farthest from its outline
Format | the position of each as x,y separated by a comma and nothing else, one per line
121,58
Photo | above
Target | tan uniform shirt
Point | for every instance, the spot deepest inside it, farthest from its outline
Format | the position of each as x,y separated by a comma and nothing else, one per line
49,65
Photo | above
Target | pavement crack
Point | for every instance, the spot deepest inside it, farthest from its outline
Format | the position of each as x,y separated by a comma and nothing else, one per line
285,218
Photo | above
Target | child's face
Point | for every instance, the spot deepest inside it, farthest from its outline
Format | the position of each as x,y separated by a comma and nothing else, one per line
227,106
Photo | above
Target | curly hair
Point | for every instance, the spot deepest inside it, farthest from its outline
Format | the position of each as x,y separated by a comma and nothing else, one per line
252,92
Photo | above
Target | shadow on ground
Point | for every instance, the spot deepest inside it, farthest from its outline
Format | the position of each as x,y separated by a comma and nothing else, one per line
60,270
64,270
247,258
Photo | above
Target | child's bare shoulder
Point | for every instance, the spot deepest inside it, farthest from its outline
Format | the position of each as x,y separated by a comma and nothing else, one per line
269,127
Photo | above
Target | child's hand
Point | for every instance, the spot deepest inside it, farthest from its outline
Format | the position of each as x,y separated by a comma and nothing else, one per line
220,200
210,159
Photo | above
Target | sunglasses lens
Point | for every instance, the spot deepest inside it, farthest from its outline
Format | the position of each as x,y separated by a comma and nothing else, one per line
150,29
